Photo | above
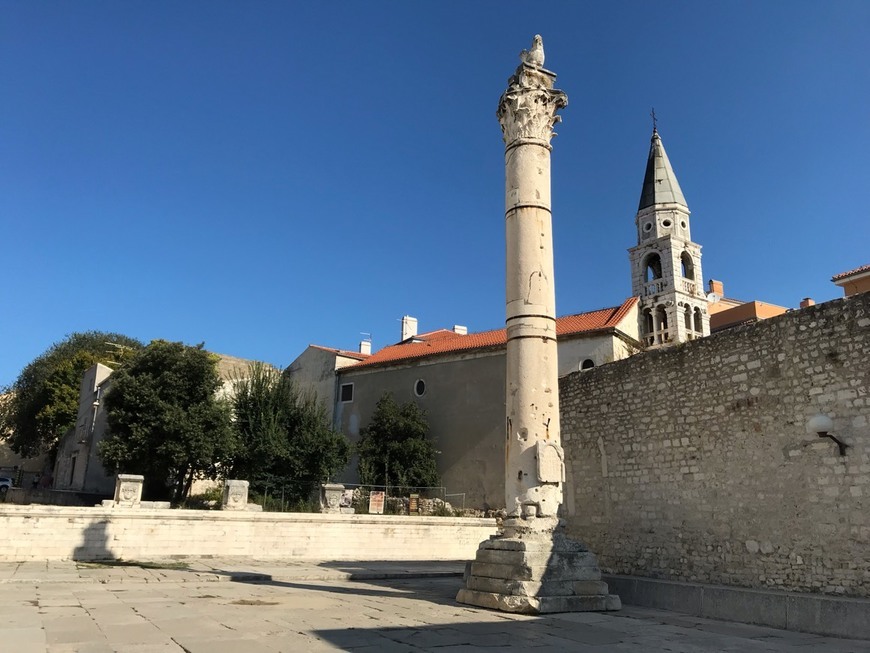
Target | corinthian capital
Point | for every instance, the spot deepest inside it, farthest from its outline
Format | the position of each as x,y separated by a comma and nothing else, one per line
527,109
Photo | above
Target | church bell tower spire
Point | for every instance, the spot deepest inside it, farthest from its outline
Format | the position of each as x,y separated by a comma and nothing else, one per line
666,264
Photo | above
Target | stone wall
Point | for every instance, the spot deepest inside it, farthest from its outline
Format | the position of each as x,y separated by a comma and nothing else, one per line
58,533
693,463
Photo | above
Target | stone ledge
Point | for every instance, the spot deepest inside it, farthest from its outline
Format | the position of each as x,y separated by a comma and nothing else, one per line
809,613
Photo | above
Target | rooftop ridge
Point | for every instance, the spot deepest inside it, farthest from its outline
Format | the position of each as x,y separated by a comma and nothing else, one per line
568,325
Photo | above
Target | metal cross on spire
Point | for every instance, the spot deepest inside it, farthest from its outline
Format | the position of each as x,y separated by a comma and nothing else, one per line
655,120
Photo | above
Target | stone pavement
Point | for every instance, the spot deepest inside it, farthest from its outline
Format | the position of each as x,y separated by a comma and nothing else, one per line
226,605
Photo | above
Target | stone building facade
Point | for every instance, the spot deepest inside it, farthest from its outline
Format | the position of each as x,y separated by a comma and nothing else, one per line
694,462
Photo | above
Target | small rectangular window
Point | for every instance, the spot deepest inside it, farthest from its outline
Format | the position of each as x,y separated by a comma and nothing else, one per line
346,392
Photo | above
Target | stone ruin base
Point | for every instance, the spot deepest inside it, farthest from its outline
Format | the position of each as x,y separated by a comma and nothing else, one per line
534,568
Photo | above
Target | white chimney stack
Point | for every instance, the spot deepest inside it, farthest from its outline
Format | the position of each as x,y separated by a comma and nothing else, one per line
461,330
409,327
365,347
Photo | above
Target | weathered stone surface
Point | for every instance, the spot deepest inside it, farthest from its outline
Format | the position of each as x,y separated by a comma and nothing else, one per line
128,490
532,567
542,557
693,463
330,498
235,495
536,578
539,605
536,588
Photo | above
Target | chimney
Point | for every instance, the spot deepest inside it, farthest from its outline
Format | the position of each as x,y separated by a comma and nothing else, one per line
717,287
409,327
365,347
807,301
461,330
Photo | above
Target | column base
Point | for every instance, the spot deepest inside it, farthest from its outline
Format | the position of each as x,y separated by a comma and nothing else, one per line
534,568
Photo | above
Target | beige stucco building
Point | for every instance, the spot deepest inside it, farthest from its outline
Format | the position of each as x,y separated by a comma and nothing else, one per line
853,281
459,380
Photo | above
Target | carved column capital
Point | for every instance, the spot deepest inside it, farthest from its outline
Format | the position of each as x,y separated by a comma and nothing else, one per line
527,109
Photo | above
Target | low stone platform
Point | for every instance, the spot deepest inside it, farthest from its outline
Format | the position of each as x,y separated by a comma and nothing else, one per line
534,570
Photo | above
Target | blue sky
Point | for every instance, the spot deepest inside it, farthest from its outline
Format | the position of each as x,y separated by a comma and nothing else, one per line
264,175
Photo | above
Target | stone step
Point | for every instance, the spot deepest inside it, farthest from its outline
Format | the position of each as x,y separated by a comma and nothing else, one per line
537,588
538,605
502,557
556,542
540,572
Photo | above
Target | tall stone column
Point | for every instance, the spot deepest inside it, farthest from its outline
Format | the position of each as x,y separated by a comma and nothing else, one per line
532,567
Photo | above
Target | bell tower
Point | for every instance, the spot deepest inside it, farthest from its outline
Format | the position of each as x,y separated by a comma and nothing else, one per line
666,264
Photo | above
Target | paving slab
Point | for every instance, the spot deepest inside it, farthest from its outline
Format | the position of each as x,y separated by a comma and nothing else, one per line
217,605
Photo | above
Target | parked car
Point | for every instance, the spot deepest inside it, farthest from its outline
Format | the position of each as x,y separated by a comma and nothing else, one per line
5,484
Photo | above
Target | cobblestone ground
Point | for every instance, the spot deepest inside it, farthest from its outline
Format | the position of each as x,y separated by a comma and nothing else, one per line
88,608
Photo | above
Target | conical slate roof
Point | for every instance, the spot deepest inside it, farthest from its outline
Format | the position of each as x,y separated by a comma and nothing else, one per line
660,184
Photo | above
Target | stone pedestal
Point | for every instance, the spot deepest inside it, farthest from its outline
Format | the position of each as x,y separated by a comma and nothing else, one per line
330,498
235,495
535,570
128,490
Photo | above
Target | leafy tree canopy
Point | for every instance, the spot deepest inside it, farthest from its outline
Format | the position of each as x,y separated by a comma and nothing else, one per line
393,449
44,400
165,420
285,439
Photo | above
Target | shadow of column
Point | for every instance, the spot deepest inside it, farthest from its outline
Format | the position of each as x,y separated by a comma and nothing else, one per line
95,543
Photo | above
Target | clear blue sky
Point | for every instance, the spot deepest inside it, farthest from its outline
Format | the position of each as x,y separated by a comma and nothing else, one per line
264,175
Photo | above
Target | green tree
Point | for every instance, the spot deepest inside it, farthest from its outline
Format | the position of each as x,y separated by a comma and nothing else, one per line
393,449
44,400
165,420
285,439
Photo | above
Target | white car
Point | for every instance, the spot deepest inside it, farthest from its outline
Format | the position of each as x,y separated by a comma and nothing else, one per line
5,484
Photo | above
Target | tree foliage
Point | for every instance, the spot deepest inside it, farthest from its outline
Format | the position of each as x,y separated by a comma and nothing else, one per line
44,400
393,449
165,420
285,439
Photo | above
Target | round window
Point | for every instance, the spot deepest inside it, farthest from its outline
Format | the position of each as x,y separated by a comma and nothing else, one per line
647,226
666,223
683,224
420,387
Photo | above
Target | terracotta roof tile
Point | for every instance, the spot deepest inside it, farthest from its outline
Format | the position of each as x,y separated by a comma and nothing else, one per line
445,341
843,275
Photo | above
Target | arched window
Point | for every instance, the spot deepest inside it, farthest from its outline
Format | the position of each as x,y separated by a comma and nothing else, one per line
648,321
662,323
652,267
588,364
699,322
687,266
688,315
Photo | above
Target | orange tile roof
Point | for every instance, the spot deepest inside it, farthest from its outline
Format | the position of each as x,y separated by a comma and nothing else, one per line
843,275
343,352
445,341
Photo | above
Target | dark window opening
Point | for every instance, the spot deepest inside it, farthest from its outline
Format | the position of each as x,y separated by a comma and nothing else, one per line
588,364
346,392
420,387
687,266
653,268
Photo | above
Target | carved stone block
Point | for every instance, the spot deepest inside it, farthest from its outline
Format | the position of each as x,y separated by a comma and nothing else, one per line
128,490
330,497
235,495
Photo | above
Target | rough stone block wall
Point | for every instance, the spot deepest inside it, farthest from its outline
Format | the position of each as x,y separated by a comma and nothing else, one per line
693,463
